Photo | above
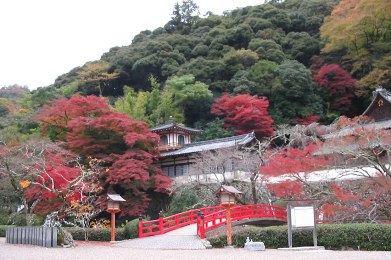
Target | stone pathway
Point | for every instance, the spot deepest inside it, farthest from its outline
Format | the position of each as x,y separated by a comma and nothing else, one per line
182,238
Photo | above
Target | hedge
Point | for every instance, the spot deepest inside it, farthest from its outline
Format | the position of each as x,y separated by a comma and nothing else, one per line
3,228
375,237
96,234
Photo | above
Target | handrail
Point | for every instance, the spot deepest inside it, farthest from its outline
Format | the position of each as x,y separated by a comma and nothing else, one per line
162,225
218,219
209,218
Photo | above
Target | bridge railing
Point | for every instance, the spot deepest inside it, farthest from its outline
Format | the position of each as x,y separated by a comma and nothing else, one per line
216,219
209,218
163,225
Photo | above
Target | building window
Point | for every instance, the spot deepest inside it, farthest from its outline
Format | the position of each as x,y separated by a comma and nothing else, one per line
164,140
229,166
181,140
174,171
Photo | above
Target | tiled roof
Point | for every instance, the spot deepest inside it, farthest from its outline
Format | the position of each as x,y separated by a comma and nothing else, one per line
171,125
212,145
350,129
385,124
385,93
230,189
379,91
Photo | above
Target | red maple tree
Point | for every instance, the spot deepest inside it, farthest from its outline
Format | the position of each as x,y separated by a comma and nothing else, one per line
339,84
244,113
292,167
56,185
363,149
307,120
126,148
295,160
46,177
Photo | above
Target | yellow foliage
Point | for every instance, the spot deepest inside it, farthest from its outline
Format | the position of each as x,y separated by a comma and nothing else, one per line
23,110
24,184
352,20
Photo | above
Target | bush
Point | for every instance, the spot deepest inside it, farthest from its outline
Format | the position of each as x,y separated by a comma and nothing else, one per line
4,216
182,201
131,229
19,219
331,236
96,234
3,228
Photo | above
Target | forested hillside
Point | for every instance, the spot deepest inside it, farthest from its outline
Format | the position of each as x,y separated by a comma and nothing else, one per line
312,60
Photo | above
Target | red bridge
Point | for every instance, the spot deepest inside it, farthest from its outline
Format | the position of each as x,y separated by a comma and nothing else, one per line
212,217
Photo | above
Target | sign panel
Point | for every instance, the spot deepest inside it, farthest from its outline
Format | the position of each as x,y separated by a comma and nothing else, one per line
302,217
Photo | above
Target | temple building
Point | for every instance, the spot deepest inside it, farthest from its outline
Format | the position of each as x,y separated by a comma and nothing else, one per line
178,152
380,107
378,115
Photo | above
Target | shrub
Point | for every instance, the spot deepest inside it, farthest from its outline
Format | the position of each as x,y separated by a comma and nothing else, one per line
4,216
3,228
96,234
331,236
131,229
19,219
182,201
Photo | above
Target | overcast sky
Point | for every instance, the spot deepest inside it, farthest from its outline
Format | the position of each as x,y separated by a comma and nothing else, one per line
43,39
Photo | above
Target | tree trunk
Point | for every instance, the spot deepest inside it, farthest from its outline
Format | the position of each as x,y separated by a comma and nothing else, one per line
253,181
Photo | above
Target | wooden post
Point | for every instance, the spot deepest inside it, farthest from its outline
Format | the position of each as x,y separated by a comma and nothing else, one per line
201,225
140,226
112,226
160,222
229,226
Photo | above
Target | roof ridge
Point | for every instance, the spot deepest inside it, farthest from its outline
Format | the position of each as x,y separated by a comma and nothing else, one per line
174,124
229,138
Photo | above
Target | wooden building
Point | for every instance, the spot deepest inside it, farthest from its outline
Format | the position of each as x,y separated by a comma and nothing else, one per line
380,107
178,152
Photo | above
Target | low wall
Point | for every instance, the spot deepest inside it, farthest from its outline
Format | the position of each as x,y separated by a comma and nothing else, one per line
40,236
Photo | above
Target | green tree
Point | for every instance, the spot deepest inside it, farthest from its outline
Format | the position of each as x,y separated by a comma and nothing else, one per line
190,96
294,95
239,60
134,104
263,74
268,50
212,130
300,46
183,16
240,83
167,109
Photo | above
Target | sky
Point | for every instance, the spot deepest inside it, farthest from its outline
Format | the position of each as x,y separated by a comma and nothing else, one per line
43,39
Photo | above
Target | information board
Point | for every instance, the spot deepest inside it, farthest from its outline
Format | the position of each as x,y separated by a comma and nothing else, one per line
302,216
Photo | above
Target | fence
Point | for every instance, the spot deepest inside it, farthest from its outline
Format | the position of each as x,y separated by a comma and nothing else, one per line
40,236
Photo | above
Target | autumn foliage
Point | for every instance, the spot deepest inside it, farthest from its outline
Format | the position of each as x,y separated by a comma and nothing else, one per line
56,185
339,84
125,148
244,114
294,160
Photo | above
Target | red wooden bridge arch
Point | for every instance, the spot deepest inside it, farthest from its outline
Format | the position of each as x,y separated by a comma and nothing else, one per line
209,218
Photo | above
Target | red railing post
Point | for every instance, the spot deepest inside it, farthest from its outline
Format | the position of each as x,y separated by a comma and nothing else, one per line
160,222
202,227
140,226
